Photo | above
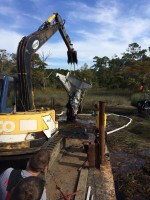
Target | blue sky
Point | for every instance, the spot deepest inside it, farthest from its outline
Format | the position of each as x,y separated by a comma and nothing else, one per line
96,27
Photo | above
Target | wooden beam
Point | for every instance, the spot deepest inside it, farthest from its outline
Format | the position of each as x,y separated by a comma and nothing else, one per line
82,185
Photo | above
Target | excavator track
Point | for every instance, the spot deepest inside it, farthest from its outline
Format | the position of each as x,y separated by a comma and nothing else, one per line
52,142
54,146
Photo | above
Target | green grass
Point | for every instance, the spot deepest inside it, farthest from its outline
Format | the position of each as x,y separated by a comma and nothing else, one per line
111,97
44,98
136,97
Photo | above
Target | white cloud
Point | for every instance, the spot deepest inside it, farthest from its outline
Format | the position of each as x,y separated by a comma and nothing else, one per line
9,40
33,17
101,13
110,29
4,10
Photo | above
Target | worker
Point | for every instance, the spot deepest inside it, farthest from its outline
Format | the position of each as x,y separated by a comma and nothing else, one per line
37,164
28,188
141,88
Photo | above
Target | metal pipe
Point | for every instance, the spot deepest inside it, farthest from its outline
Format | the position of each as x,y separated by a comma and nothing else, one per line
92,198
88,193
101,131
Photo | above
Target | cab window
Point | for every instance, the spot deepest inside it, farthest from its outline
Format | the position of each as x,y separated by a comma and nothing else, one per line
10,95
1,86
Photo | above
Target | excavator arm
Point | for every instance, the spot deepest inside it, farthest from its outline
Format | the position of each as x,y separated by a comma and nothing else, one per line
27,47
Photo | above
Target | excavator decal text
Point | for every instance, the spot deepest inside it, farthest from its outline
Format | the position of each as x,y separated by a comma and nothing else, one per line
7,126
35,44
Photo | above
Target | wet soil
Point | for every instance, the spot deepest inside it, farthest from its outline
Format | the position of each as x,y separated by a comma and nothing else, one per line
130,158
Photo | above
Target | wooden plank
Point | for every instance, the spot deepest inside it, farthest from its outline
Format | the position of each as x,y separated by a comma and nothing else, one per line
82,185
54,154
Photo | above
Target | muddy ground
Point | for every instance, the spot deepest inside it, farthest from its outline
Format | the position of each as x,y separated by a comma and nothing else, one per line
130,156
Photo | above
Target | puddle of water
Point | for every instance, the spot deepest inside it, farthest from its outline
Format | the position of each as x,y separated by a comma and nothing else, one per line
62,118
85,121
80,121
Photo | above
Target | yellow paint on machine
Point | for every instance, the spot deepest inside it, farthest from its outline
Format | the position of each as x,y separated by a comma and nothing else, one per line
23,122
97,119
16,145
50,19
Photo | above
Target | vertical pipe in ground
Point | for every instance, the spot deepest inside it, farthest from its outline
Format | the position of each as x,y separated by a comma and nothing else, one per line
102,131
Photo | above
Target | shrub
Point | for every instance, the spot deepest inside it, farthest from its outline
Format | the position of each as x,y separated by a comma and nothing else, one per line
136,97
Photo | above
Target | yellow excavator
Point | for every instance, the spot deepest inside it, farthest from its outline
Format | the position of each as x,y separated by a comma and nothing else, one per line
23,129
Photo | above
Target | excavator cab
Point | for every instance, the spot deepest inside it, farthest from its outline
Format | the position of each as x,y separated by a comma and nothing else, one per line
7,94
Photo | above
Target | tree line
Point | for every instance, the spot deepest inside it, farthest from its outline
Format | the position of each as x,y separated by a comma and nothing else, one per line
130,70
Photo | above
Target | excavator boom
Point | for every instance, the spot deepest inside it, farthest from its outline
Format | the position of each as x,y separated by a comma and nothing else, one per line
28,46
